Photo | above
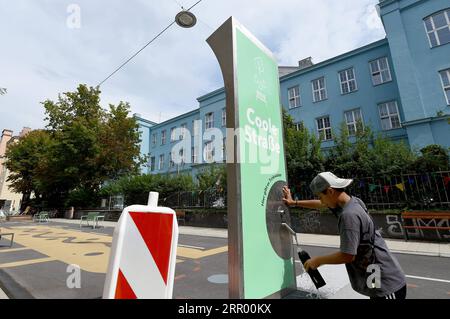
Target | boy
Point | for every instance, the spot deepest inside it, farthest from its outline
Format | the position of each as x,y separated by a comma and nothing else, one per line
372,269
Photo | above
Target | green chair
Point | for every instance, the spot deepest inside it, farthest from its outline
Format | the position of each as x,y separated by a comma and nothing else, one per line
93,217
41,217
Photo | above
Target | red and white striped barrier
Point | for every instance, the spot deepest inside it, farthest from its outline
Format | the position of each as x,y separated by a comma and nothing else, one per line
143,253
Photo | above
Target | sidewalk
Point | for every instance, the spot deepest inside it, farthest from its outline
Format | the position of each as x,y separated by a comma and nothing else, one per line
395,245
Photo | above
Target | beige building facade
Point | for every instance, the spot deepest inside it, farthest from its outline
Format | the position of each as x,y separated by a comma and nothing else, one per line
9,200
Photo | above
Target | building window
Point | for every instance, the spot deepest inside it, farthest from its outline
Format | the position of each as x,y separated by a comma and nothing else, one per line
380,71
183,131
209,152
389,115
224,149
194,151
171,162
299,126
319,90
348,81
209,121
173,138
154,139
163,137
152,164
438,28
224,117
294,97
324,128
181,154
352,118
445,78
196,124
161,162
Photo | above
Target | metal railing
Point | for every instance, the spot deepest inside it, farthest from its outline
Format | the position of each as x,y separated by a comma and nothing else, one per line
212,198
420,191
411,191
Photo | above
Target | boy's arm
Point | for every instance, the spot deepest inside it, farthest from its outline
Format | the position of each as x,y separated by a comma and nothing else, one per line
333,259
312,203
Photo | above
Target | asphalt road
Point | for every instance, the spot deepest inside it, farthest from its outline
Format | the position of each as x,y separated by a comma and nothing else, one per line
33,268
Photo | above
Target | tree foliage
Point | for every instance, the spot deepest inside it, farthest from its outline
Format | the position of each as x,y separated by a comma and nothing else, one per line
135,189
82,147
303,155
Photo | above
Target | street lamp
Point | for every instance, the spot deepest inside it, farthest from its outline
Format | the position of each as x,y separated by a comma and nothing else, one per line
185,19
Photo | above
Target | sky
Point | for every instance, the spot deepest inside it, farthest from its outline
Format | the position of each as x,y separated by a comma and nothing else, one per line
48,47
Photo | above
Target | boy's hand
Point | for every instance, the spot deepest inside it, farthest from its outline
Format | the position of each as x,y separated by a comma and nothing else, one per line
287,197
312,263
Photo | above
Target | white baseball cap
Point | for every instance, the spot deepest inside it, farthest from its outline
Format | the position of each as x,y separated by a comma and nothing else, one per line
327,179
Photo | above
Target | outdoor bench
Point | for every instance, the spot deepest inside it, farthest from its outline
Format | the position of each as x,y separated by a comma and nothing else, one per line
429,216
93,217
41,217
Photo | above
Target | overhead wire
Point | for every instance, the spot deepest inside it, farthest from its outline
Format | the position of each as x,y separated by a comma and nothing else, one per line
145,46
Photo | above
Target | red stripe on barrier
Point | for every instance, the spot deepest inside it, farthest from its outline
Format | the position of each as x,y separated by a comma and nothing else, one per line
156,230
123,289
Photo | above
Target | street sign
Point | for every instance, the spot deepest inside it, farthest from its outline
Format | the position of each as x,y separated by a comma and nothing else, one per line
261,263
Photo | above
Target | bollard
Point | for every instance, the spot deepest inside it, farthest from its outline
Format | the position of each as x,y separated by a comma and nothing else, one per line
143,253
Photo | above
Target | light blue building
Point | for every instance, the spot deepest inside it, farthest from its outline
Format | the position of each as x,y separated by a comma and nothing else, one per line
400,86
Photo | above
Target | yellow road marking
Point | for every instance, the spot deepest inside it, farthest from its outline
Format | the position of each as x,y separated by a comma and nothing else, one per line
13,250
71,248
75,246
197,254
27,262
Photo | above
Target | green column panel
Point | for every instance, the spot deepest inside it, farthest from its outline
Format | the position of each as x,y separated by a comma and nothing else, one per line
258,167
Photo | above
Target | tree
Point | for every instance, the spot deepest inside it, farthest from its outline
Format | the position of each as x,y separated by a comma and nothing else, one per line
87,146
212,176
303,153
434,158
389,158
26,161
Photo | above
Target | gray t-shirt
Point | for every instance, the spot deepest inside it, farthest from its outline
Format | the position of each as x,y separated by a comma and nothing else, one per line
356,230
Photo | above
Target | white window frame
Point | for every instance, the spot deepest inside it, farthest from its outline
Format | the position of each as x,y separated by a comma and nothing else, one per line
194,157
353,123
224,149
446,88
295,98
154,139
347,81
209,121
324,129
224,117
152,163
434,31
182,155
209,152
389,115
183,131
163,137
196,125
322,91
173,138
299,126
171,162
161,162
380,71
